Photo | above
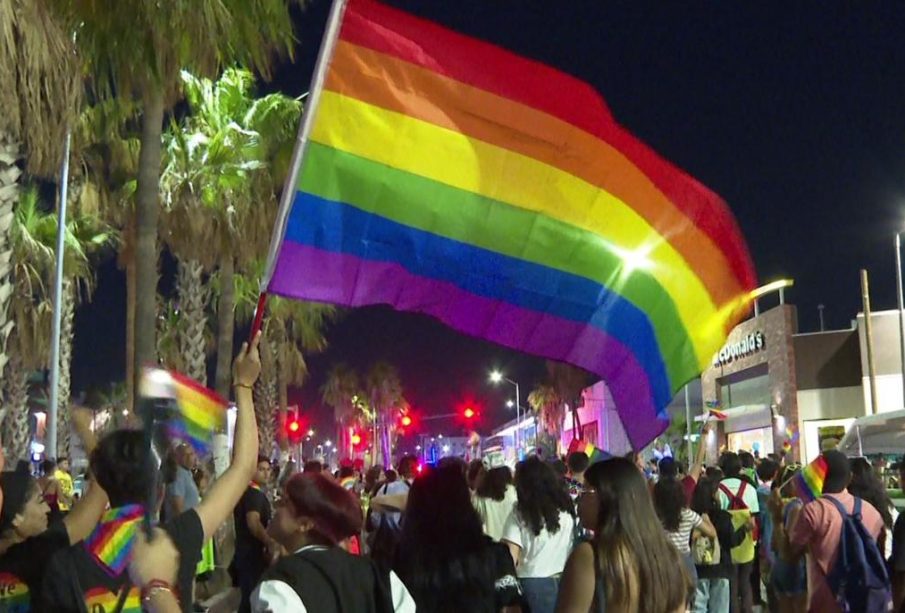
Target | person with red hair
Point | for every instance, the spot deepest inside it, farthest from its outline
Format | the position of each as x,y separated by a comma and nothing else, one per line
314,515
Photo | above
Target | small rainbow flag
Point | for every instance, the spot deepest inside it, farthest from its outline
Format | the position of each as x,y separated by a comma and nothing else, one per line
111,542
792,434
809,482
200,412
348,482
716,414
592,451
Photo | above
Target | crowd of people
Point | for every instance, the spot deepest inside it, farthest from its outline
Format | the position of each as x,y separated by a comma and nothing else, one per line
557,535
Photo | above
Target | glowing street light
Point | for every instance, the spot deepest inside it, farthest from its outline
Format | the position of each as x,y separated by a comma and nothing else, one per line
498,377
328,444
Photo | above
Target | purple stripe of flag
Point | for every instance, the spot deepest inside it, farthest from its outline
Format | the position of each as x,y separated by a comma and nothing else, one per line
351,281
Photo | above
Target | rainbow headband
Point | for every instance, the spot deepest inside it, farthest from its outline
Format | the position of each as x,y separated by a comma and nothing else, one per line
111,542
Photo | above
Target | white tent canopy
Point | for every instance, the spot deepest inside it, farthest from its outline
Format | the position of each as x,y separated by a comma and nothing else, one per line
875,434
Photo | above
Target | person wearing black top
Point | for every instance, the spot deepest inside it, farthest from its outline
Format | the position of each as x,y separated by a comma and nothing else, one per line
252,516
313,516
93,577
712,592
444,558
27,541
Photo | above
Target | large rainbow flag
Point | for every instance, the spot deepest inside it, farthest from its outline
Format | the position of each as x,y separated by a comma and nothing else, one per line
444,175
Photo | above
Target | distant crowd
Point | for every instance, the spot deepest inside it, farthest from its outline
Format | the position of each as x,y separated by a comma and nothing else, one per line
560,535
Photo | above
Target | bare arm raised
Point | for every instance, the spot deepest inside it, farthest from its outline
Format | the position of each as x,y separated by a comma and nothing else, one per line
226,491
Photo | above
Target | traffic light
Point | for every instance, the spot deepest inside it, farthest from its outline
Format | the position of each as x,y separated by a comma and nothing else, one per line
468,413
293,427
405,421
356,439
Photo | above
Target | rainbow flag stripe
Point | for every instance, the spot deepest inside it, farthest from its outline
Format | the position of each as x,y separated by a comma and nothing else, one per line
717,415
200,411
111,542
102,599
809,482
441,176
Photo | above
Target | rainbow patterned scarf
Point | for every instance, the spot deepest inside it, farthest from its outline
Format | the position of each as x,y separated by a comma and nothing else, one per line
111,542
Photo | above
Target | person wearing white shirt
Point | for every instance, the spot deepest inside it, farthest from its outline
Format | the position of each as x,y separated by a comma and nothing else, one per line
540,532
495,499
314,516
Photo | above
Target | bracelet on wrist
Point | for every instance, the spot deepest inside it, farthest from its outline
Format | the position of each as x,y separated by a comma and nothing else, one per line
155,587
248,387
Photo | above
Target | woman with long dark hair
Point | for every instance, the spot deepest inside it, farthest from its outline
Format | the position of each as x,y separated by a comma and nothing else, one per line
681,523
630,566
313,516
713,559
443,557
867,485
539,533
495,499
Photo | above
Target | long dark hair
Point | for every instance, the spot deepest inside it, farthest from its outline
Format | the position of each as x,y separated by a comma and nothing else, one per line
867,485
640,568
669,500
541,495
703,501
443,557
494,483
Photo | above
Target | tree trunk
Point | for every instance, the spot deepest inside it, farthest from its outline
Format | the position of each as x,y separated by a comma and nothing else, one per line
226,321
127,263
15,425
266,397
67,333
192,305
147,208
283,403
9,195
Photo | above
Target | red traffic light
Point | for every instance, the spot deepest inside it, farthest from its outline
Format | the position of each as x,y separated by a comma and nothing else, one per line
294,426
406,421
356,439
468,413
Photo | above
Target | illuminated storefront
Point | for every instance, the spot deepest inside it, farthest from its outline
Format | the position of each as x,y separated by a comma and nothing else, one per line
779,387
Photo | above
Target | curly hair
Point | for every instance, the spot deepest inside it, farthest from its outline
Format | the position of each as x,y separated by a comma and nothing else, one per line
865,484
495,483
541,495
669,500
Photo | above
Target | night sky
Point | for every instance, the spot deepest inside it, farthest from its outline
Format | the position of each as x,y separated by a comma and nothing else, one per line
793,114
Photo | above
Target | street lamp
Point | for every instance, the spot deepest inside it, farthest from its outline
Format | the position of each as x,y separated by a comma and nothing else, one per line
901,308
498,377
310,432
328,444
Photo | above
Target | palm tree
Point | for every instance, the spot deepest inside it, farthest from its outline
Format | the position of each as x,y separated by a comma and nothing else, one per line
39,98
221,192
568,381
104,168
291,329
139,49
548,406
31,308
340,391
384,391
85,237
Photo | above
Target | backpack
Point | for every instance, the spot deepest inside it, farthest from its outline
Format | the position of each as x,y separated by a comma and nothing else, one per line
744,552
858,578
